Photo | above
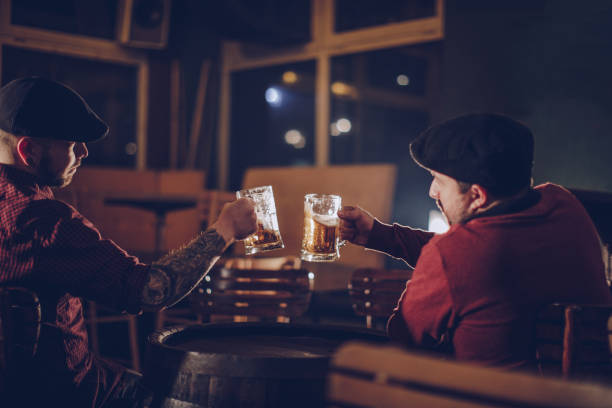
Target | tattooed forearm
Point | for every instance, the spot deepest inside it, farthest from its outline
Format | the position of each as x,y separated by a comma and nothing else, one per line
175,275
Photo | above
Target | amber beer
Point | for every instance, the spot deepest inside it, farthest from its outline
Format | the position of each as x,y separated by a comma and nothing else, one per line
320,234
263,237
267,236
321,224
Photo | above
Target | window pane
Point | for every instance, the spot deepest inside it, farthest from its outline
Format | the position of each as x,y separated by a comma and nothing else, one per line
110,90
354,14
274,22
94,18
272,122
375,116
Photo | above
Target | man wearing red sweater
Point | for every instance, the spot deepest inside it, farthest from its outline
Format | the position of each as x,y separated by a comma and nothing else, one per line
510,249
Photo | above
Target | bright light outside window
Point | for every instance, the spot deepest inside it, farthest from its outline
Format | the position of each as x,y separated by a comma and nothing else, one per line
437,222
273,96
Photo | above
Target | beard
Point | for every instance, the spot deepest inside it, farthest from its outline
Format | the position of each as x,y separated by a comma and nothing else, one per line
441,208
48,177
459,215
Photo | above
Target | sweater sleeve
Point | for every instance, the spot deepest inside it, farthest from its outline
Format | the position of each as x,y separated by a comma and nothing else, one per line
398,241
71,254
425,313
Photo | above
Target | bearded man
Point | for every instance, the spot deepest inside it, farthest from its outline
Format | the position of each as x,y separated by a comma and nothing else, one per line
511,248
48,247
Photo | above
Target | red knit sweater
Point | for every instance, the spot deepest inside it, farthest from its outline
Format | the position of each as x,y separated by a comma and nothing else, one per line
479,286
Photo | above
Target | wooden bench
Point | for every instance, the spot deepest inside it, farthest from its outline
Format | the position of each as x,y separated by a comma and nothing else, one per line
363,375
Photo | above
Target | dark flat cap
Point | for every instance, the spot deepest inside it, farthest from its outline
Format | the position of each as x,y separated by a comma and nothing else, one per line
491,150
39,107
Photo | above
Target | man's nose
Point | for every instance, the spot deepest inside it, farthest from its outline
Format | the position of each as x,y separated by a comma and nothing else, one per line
433,191
82,151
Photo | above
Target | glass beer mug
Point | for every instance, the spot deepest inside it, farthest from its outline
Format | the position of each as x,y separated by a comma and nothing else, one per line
321,228
267,236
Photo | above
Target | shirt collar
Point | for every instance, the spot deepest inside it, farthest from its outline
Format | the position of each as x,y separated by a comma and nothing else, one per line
530,198
24,180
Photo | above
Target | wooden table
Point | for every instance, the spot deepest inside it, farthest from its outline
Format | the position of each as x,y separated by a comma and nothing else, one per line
159,205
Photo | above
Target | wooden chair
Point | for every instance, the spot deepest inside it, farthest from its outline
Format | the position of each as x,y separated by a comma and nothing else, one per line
254,289
575,341
20,323
374,292
96,314
363,375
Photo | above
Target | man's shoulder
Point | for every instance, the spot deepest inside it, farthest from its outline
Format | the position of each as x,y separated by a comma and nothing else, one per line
37,209
459,235
465,244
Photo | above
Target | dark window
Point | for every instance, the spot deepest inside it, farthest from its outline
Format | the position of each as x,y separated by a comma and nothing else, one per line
380,101
272,121
94,18
109,89
355,14
271,22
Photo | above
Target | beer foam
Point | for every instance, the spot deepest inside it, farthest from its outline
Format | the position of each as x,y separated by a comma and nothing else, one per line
327,220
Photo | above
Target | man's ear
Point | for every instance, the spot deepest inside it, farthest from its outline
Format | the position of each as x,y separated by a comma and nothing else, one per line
479,197
28,152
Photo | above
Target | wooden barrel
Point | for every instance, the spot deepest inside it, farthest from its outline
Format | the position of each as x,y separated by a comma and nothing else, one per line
244,364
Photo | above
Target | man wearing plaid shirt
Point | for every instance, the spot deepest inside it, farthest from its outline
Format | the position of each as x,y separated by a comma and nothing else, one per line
48,247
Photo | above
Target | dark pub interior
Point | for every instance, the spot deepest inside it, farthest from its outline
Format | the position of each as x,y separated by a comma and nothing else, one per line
305,203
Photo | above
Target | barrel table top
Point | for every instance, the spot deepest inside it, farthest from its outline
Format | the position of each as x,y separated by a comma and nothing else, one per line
264,340
255,365
257,348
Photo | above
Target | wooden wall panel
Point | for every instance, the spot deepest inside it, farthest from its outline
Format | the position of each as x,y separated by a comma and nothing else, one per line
131,228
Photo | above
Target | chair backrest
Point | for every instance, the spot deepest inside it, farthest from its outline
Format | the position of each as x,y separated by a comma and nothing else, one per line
374,292
575,341
266,288
363,375
20,320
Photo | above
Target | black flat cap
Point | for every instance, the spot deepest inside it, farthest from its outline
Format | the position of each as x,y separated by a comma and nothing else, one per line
491,150
39,107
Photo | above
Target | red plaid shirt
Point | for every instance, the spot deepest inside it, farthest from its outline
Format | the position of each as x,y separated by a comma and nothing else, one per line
47,246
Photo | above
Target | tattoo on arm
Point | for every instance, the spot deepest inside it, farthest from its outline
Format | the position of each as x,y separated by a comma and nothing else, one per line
174,276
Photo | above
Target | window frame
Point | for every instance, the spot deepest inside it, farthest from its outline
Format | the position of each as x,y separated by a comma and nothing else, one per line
85,47
325,44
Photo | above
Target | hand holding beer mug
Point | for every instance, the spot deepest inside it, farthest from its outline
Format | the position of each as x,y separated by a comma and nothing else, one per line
321,228
267,236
